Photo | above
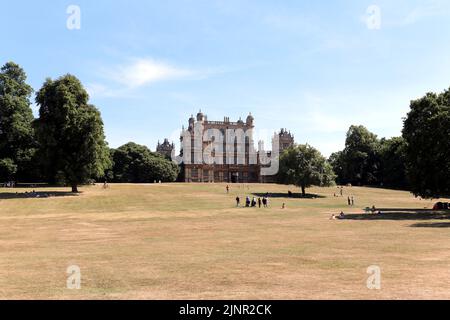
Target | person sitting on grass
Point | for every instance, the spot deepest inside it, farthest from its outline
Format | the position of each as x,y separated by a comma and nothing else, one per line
341,215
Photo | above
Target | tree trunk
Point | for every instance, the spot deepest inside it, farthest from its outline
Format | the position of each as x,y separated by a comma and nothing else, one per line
304,191
74,188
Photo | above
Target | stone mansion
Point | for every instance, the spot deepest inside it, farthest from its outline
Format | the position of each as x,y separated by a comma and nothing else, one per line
226,167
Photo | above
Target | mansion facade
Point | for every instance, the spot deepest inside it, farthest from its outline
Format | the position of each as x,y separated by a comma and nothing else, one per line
235,158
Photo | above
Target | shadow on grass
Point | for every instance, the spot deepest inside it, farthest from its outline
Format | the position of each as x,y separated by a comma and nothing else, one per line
432,225
35,195
287,196
402,214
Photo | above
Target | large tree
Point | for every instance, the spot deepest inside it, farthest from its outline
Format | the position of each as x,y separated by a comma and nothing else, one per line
137,164
304,166
361,156
366,160
392,154
8,169
337,162
359,162
16,117
70,132
427,134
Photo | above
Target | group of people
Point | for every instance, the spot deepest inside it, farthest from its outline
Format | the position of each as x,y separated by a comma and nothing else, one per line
35,194
373,210
260,202
253,203
341,192
350,199
340,216
9,184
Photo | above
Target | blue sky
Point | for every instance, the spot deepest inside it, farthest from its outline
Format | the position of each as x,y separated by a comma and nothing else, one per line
313,67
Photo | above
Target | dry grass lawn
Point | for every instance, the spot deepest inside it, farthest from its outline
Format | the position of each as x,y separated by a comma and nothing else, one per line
178,241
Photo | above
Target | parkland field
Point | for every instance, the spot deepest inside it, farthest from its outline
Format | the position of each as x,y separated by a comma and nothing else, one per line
189,241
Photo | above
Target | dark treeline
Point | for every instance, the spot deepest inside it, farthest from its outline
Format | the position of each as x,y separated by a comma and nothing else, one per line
370,161
418,161
66,143
136,163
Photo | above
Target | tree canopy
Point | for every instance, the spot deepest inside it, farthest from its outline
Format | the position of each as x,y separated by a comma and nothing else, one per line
304,166
392,155
135,163
361,156
70,132
367,160
17,144
427,134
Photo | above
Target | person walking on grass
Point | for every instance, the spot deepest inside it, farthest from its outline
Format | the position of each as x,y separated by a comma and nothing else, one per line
353,201
228,189
238,201
266,202
349,201
259,203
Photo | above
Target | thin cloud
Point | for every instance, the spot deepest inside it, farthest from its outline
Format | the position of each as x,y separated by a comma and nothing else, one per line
124,80
427,10
99,90
141,72
420,13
